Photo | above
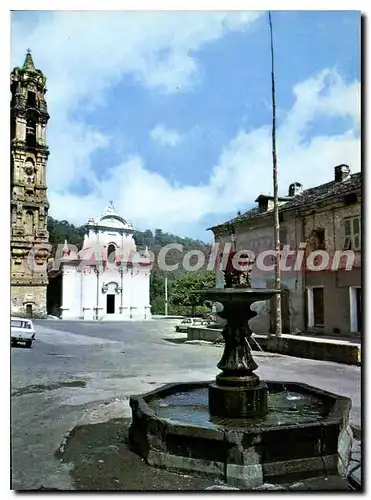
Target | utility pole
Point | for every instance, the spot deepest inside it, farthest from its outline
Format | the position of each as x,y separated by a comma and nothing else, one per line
275,192
166,309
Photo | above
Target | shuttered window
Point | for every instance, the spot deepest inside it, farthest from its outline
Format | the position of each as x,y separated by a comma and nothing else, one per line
352,230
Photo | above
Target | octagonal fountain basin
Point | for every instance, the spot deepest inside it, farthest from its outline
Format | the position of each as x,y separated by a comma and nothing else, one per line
304,434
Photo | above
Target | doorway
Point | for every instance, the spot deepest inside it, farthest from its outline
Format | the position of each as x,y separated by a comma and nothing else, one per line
110,303
355,309
29,310
359,308
316,309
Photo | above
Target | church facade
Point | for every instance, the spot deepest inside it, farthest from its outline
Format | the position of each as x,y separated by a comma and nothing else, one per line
107,279
29,205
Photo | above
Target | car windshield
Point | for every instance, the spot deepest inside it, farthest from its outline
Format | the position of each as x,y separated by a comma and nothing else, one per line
17,323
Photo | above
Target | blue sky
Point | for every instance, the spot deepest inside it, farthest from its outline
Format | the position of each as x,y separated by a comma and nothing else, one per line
168,114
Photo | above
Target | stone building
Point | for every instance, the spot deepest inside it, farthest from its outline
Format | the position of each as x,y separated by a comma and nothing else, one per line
107,279
319,226
29,204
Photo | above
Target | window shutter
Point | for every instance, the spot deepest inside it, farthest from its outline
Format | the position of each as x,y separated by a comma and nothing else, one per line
348,243
357,244
356,225
347,227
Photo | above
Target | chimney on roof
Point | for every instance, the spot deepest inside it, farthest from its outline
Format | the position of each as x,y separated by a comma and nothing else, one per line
342,173
295,188
265,202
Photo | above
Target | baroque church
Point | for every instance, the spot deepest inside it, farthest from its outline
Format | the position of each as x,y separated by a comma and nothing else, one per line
107,279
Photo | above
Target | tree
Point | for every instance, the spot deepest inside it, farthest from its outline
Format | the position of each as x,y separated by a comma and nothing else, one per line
63,230
157,287
184,286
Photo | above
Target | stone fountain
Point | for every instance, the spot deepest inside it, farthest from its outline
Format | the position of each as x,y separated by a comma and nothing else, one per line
238,428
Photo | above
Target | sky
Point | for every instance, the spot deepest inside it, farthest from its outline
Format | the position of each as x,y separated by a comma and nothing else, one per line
169,114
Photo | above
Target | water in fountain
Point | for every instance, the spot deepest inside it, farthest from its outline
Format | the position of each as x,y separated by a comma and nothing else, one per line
284,407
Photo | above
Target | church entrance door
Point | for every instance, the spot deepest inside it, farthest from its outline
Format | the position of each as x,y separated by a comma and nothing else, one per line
110,304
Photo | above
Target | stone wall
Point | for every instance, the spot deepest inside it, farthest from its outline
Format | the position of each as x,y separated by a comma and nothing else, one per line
336,283
331,218
34,296
311,348
336,297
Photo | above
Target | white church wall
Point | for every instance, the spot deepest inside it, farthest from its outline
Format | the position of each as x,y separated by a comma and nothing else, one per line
135,296
127,294
70,293
89,293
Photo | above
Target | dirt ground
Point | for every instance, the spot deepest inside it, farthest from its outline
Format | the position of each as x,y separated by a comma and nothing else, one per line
102,461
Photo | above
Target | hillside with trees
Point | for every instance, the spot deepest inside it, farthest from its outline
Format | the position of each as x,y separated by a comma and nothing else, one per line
179,280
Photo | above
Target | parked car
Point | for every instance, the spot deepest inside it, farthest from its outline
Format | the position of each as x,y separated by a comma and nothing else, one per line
185,323
21,330
208,317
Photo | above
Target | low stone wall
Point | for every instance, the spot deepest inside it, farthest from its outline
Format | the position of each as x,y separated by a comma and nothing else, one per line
340,351
307,347
203,333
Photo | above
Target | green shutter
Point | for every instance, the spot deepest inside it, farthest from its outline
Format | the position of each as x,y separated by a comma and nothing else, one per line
356,225
347,226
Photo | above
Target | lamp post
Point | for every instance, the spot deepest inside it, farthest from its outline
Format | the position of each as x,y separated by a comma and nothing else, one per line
166,298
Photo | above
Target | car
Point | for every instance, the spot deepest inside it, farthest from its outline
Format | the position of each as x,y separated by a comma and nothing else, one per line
187,322
22,330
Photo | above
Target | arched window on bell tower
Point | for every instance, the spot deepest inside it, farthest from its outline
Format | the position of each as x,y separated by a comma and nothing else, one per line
111,253
31,132
31,99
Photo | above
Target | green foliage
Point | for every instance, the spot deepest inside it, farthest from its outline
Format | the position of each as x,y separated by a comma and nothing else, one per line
157,294
63,230
184,286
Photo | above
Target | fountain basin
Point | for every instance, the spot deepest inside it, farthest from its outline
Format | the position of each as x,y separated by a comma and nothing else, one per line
304,434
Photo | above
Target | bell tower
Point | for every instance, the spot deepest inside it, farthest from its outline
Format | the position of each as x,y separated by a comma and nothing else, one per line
29,204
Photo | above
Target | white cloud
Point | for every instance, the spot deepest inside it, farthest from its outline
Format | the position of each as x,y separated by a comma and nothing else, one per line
165,136
84,56
84,53
244,169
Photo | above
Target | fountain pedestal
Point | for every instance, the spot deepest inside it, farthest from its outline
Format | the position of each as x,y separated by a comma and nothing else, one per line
237,391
